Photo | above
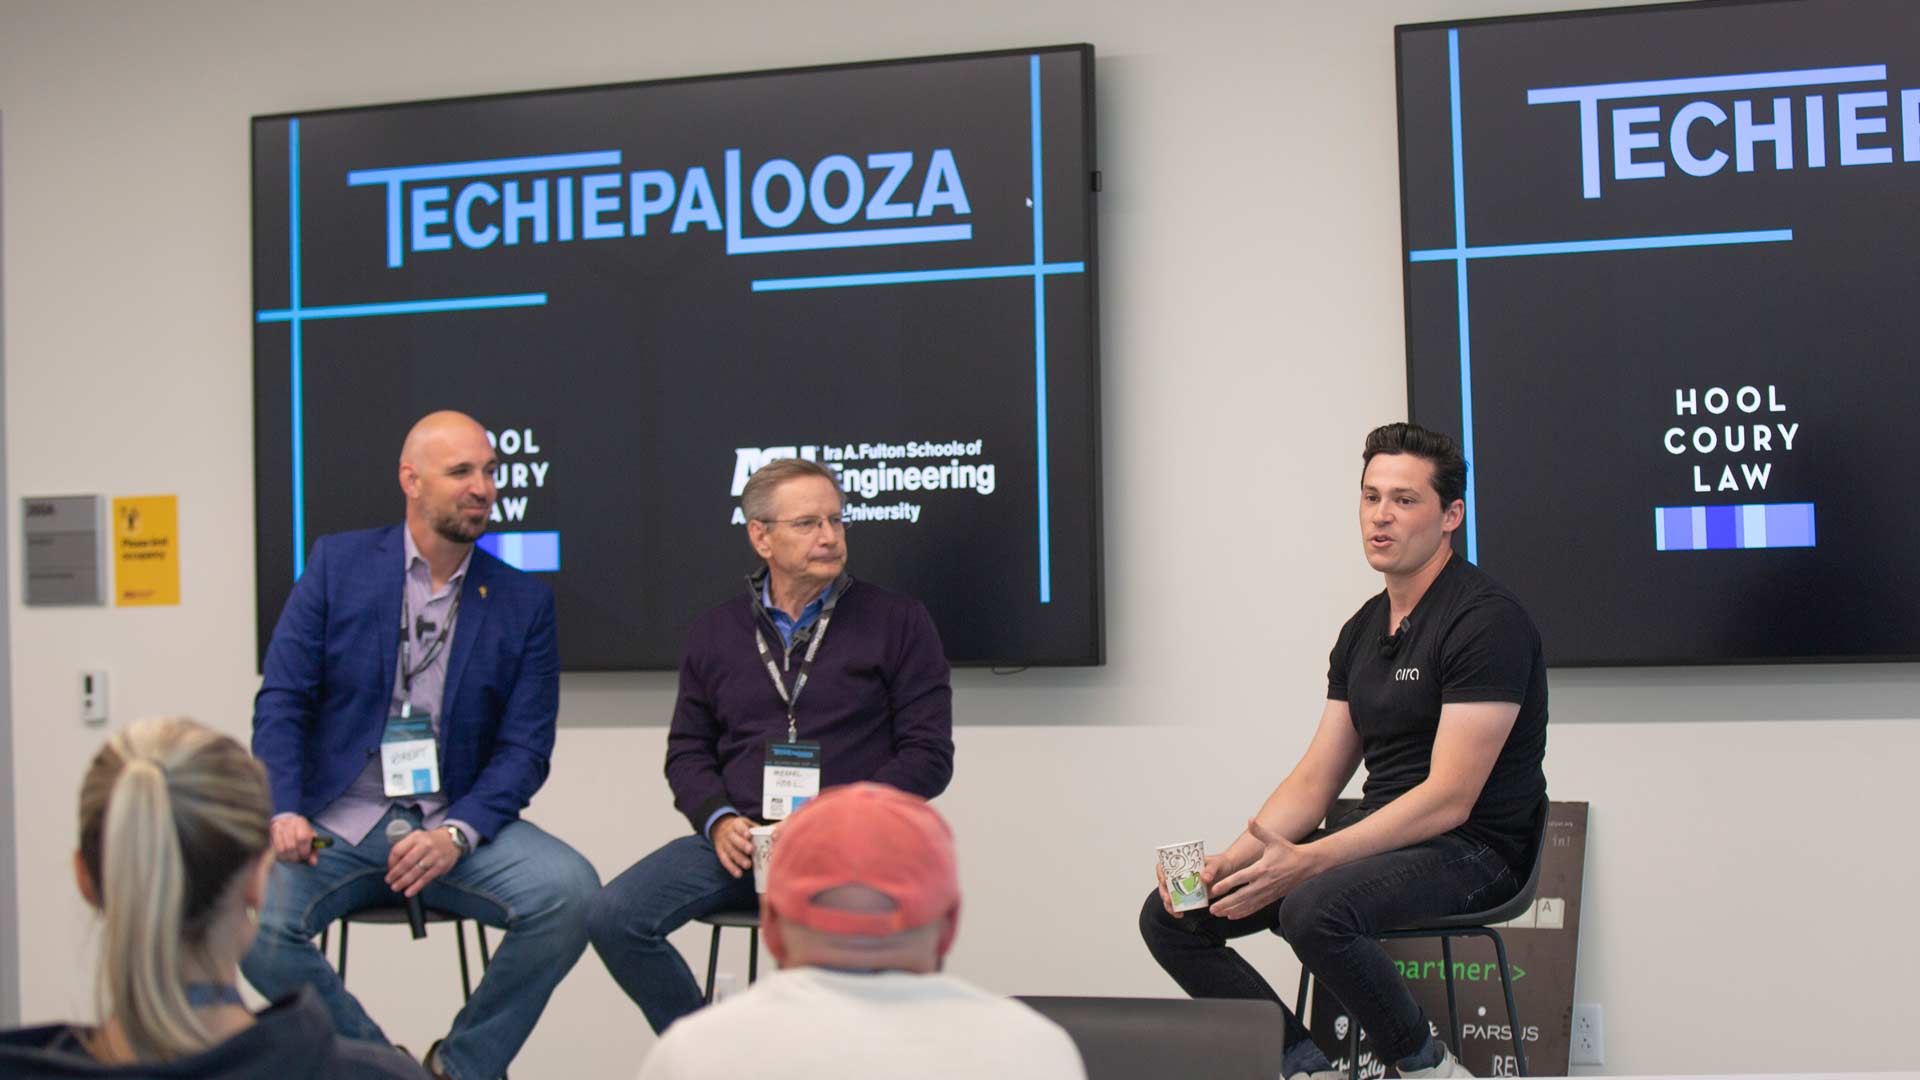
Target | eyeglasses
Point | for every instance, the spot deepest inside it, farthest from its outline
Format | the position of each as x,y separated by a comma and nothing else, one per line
810,523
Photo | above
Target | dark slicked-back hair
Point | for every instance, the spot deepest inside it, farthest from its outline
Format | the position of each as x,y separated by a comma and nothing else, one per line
1449,468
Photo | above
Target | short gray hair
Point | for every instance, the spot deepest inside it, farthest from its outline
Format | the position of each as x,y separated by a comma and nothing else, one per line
756,499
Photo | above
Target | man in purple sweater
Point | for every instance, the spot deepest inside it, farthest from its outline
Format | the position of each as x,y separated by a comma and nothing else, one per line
770,713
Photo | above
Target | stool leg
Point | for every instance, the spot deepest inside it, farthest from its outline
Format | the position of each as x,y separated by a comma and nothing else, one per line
713,961
1300,1002
480,930
1513,1014
460,939
753,954
323,940
1353,1045
343,952
1453,1010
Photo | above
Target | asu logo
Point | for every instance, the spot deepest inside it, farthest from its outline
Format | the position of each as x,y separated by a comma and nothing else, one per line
748,459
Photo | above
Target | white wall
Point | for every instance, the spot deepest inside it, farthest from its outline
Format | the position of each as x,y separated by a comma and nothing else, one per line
9,889
1750,850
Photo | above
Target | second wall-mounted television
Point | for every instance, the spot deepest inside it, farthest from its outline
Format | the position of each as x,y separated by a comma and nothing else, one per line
1660,280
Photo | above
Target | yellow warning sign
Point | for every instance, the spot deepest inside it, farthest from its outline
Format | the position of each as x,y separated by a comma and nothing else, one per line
146,551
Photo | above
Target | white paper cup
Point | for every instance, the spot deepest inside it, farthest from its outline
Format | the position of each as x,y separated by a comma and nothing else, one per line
762,851
1181,864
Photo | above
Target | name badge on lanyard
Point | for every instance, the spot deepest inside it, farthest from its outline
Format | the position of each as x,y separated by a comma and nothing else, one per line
790,778
409,756
791,775
409,753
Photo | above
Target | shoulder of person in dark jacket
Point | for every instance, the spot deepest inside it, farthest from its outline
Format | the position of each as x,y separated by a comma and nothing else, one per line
292,1039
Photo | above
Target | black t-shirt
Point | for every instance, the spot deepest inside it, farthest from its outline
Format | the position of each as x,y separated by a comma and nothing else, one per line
1467,640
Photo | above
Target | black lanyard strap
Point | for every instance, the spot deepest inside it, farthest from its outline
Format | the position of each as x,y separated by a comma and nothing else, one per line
792,699
407,670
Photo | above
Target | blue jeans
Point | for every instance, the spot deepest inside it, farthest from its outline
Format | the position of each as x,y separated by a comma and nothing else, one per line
630,919
1327,920
524,881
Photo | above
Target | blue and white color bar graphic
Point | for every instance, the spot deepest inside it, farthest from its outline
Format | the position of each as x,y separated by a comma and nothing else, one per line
1722,528
535,552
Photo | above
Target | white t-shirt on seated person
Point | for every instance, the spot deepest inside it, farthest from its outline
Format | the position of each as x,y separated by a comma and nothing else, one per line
810,1023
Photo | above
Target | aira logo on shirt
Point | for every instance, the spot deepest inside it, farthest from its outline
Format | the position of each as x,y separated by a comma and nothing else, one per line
1406,674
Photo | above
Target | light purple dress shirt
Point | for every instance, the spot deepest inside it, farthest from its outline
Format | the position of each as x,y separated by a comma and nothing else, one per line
354,814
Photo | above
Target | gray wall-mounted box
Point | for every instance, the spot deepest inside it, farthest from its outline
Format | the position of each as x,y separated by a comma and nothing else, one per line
65,551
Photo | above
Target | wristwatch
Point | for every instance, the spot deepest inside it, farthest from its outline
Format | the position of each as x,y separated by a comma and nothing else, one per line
459,839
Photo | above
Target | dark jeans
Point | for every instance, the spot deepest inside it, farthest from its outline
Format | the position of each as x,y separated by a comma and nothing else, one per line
1327,920
524,881
628,923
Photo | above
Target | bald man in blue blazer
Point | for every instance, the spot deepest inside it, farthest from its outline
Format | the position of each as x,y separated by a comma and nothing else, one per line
414,678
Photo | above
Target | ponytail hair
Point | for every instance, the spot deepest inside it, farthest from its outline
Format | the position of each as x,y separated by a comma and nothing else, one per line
171,813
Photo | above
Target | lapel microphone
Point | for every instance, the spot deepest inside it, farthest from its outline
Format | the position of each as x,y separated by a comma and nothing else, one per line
422,627
1390,643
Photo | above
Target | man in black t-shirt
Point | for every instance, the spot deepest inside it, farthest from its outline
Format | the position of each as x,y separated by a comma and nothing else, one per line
1439,686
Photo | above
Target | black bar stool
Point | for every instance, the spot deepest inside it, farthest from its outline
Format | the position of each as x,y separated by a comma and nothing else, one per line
396,914
1471,924
720,920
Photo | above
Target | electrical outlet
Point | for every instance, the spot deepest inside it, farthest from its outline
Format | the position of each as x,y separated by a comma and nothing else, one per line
1588,1043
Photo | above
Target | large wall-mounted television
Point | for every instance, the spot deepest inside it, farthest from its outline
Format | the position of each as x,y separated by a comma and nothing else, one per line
1660,275
647,291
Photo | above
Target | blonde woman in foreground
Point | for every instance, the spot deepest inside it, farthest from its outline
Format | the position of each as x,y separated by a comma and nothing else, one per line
174,853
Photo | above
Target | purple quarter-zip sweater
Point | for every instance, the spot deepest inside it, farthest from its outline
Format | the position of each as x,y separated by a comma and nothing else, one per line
879,703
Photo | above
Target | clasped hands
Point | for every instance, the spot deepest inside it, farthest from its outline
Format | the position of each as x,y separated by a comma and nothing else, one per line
1239,891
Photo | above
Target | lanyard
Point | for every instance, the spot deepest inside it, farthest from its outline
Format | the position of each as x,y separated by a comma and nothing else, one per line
407,670
792,700
206,995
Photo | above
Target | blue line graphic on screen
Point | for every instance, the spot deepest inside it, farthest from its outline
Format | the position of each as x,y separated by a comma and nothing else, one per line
1460,286
1721,528
1040,334
1460,254
914,277
403,307
294,314
1580,247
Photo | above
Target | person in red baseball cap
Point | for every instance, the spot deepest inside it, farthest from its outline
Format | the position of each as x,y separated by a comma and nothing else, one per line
862,905
867,874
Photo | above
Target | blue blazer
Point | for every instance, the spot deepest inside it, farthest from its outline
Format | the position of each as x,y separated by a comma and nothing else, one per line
328,681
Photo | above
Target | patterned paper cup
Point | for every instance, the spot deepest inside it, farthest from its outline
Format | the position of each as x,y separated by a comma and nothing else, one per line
1181,864
762,851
